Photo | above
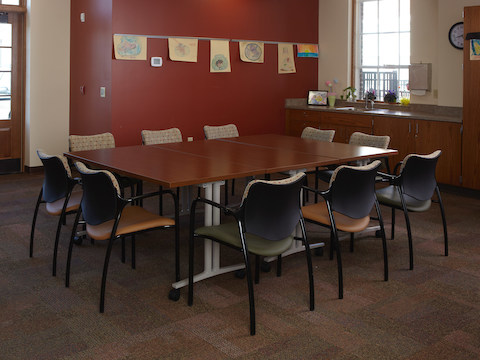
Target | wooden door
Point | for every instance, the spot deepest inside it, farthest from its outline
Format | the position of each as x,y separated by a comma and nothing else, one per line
471,105
445,136
11,91
401,136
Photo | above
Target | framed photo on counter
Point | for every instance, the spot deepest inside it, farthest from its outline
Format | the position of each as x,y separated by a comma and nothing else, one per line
317,97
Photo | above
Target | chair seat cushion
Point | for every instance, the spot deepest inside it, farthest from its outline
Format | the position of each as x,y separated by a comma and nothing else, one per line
55,208
390,196
133,219
229,233
319,213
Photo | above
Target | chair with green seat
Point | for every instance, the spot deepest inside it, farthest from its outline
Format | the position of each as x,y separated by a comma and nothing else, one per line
57,194
265,224
412,190
348,203
108,218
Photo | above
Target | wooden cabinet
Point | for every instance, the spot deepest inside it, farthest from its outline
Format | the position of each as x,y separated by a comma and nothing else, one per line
471,105
297,120
423,137
343,124
346,124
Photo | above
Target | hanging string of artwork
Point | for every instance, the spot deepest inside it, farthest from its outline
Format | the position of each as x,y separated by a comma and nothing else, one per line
134,47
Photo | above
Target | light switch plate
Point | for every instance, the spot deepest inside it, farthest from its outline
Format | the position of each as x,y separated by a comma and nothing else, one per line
156,61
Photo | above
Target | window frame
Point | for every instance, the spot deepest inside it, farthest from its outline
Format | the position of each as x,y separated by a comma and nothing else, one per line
356,66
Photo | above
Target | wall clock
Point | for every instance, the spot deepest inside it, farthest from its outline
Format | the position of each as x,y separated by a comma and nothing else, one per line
455,35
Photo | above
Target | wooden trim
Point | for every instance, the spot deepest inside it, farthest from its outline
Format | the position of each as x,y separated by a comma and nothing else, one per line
13,8
353,45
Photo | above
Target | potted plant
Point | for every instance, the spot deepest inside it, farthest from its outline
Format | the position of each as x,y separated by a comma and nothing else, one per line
349,93
390,97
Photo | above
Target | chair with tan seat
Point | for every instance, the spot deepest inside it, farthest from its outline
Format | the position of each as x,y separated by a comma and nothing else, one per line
348,203
57,194
108,218
222,132
154,137
103,141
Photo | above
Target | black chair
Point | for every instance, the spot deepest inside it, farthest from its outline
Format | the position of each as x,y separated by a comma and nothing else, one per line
412,191
265,224
108,218
57,195
347,207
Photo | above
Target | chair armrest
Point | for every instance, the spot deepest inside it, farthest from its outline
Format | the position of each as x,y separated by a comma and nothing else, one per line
319,192
143,196
226,210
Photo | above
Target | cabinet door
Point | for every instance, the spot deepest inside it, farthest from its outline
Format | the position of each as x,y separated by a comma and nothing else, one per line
346,124
297,120
446,136
401,136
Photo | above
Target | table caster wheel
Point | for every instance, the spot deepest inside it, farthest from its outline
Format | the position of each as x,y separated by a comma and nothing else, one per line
265,266
240,274
174,294
319,251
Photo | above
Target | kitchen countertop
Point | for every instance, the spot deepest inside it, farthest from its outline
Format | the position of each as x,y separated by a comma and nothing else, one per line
413,111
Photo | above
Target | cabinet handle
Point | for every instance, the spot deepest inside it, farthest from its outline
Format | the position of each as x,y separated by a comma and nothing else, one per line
416,128
409,128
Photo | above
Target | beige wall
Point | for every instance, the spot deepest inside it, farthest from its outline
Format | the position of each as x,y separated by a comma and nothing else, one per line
430,23
48,78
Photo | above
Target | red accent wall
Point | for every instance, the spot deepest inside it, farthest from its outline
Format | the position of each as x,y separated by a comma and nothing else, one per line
90,66
187,95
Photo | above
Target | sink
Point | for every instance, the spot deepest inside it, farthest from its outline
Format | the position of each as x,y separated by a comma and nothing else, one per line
378,111
349,108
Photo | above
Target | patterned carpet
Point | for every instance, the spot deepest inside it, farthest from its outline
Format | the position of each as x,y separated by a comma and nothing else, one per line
432,312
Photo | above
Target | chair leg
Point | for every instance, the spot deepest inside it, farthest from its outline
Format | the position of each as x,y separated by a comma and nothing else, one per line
409,230
55,247
352,238
250,291
332,244
316,184
123,249
309,265
384,242
279,265
444,221
70,248
393,223
104,276
39,200
257,269
133,252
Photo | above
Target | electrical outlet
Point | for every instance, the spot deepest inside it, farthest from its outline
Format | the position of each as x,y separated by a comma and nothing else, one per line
102,91
190,138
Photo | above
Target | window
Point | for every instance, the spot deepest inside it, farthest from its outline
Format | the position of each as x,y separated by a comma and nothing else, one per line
382,47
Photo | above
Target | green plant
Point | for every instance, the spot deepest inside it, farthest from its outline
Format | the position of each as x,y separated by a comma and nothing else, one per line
349,92
390,97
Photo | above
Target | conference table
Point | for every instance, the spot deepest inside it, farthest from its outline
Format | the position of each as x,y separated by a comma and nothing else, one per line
208,163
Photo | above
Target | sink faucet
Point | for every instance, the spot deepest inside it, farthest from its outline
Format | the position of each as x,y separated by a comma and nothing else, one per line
367,100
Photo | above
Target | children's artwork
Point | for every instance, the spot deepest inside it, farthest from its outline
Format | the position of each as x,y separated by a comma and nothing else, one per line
317,97
251,51
307,50
475,49
286,62
183,49
130,47
220,56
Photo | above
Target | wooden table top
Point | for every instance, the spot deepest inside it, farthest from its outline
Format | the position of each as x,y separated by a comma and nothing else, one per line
189,163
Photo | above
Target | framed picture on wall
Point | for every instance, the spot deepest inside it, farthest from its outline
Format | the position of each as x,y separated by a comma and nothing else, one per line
317,97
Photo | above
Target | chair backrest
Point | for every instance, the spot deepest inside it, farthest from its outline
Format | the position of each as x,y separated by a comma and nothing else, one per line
417,175
222,131
91,142
152,137
359,138
100,195
271,209
317,134
57,176
352,189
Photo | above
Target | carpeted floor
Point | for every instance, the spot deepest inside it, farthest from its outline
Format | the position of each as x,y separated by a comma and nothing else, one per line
432,312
